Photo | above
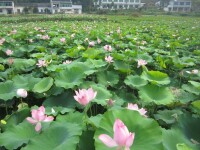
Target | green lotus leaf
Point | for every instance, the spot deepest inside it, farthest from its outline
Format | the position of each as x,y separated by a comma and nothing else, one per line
143,128
173,137
25,81
18,135
145,56
190,88
72,117
86,141
102,94
182,146
44,85
69,78
24,64
189,126
8,90
168,116
182,96
135,81
58,136
156,77
86,68
195,84
65,99
17,117
196,105
108,78
156,94
96,63
121,66
1,67
91,53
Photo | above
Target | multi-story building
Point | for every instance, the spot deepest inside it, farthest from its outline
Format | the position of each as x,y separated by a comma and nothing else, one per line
6,7
118,4
53,6
179,6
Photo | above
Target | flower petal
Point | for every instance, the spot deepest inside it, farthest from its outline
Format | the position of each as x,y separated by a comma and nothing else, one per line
38,127
48,119
107,140
31,120
130,139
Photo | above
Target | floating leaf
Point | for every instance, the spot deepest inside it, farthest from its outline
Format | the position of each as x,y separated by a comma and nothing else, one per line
44,85
135,81
18,135
156,94
69,78
173,137
122,66
25,81
108,78
143,128
156,77
168,116
58,136
24,64
7,91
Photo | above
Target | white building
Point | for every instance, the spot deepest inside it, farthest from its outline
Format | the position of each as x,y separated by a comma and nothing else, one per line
6,7
179,6
118,4
54,6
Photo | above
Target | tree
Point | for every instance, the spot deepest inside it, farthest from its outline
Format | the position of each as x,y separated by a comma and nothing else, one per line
35,10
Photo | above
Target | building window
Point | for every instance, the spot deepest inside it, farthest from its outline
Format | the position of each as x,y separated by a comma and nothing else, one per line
175,3
115,0
109,0
104,0
18,11
65,5
137,1
5,3
41,10
1,10
132,1
120,0
181,3
187,3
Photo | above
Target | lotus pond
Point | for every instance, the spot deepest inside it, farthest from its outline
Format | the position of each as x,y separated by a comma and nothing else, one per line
99,82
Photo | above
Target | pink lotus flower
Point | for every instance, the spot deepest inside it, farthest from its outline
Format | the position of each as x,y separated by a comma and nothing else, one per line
91,44
123,139
63,40
85,96
45,37
142,111
22,93
109,59
9,52
10,61
39,116
107,48
41,63
141,62
14,31
2,41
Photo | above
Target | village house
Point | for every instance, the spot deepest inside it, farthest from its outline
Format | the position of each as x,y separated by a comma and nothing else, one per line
53,6
178,6
118,4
